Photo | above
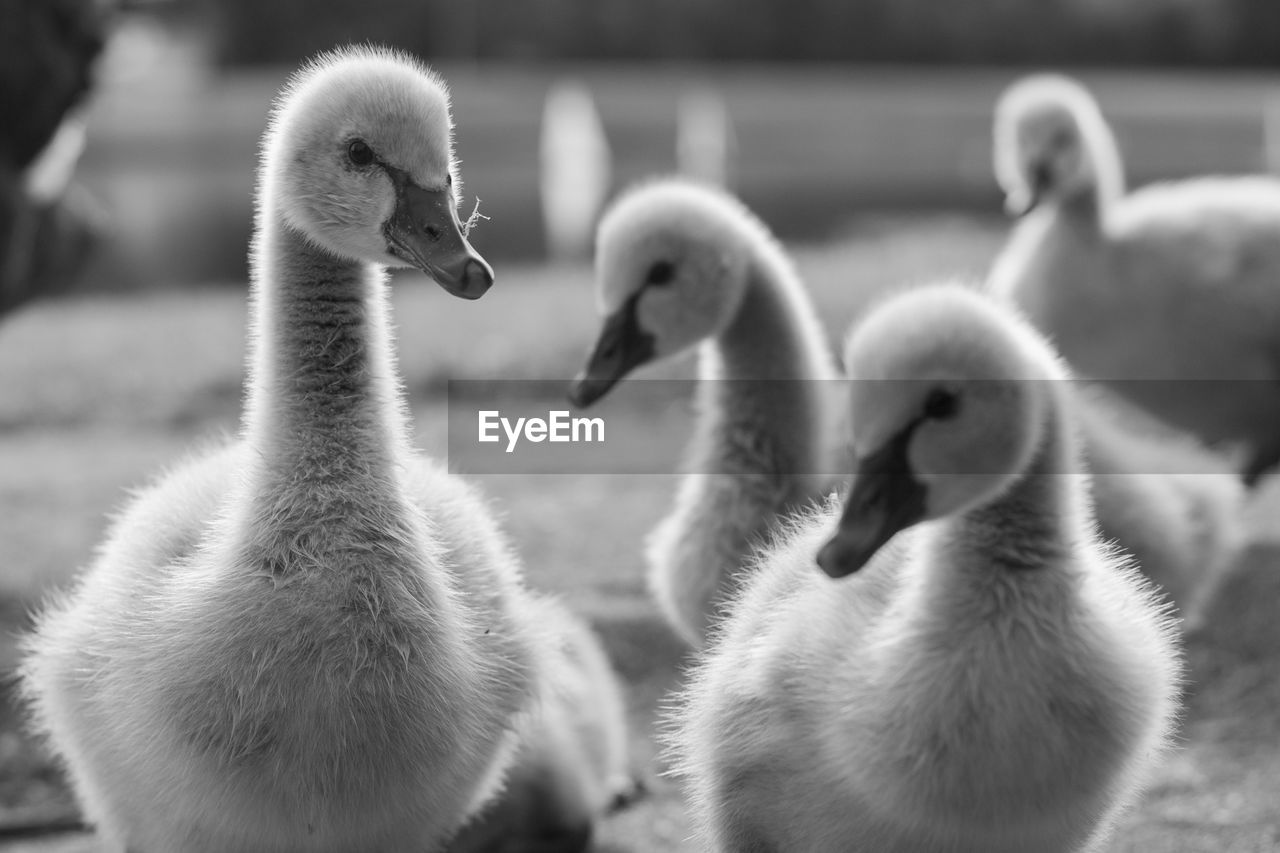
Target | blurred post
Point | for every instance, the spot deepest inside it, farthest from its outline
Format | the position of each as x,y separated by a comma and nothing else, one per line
575,169
704,136
1271,133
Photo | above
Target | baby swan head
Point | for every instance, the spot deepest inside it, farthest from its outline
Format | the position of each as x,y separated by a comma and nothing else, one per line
671,268
359,159
948,408
1052,143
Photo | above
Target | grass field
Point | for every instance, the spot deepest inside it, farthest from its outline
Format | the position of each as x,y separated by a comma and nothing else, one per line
98,393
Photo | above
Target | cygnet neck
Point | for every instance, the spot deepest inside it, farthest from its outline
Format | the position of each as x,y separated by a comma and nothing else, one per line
1039,518
774,334
772,358
323,400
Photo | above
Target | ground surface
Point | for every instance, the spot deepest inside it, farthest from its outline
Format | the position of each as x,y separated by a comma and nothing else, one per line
97,394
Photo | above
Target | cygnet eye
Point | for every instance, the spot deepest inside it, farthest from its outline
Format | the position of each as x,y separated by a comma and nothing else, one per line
662,272
359,152
941,404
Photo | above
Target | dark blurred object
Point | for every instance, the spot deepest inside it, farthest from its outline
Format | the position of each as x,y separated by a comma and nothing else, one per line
48,49
1256,30
988,32
43,246
47,52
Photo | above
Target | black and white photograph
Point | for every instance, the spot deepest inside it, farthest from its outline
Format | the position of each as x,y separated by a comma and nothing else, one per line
640,426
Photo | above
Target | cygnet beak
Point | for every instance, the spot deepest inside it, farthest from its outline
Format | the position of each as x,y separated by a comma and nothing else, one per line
885,499
621,347
424,232
1041,181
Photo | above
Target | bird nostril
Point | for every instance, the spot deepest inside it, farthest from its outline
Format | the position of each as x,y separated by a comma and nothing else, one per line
432,232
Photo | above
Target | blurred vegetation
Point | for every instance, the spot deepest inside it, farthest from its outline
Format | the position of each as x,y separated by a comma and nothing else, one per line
1059,32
